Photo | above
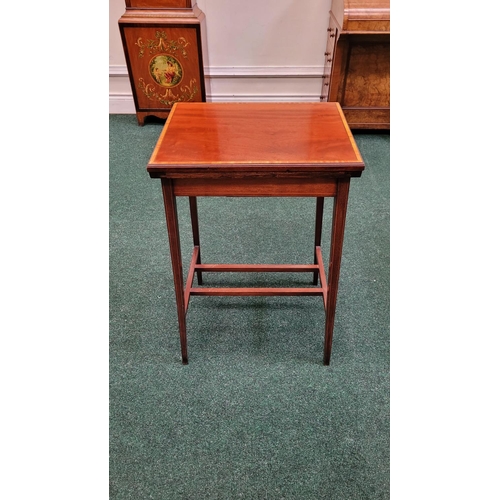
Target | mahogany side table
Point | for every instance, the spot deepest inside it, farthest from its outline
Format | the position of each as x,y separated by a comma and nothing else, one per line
256,149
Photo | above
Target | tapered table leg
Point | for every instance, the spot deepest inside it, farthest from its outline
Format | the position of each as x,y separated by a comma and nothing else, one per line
320,202
338,225
193,208
175,256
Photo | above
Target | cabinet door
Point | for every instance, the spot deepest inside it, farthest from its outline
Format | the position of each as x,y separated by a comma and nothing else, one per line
164,65
360,79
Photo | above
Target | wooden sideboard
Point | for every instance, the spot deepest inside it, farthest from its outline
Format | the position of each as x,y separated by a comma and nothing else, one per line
165,46
357,62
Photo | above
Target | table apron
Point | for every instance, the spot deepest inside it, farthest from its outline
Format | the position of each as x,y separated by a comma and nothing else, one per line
256,186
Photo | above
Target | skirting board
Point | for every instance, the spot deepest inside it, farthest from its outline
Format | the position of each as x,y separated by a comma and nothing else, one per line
234,84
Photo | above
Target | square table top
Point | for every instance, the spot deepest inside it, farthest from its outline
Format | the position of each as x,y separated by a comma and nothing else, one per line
254,138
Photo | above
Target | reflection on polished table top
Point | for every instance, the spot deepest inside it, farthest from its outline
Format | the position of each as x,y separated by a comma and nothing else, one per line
255,137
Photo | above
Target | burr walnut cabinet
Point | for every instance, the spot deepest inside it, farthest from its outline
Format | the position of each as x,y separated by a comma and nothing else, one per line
163,41
357,62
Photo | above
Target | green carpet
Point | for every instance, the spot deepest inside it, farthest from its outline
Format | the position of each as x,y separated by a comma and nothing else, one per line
255,414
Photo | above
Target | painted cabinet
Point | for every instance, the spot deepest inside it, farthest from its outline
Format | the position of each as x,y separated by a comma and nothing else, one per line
164,42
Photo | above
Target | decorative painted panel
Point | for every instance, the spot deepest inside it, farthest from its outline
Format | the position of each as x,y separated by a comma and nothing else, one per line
165,65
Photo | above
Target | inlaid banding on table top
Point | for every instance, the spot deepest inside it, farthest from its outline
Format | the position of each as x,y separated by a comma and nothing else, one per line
247,170
295,136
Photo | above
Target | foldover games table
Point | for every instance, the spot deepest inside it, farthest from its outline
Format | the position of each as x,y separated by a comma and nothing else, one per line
248,150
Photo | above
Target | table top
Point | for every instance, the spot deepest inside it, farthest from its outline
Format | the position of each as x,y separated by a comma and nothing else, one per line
253,138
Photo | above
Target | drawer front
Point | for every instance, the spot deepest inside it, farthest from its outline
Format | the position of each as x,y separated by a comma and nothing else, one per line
368,118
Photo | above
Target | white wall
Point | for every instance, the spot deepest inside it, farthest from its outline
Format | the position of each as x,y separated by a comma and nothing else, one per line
258,50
